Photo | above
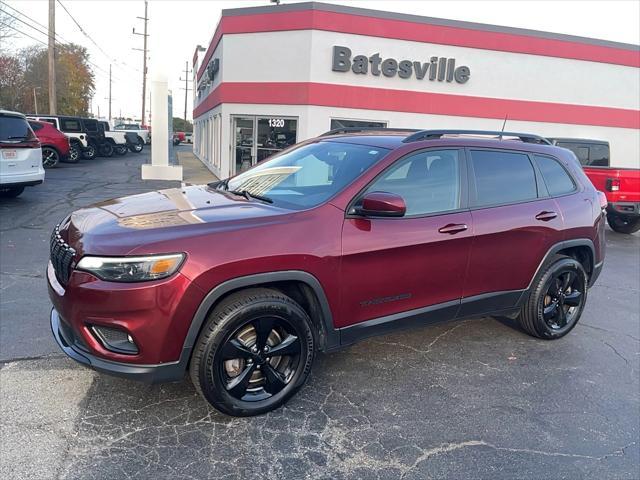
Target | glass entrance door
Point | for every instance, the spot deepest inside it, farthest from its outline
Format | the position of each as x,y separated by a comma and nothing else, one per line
256,138
274,134
243,128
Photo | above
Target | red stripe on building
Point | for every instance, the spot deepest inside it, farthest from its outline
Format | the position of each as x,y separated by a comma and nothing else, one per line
418,32
346,96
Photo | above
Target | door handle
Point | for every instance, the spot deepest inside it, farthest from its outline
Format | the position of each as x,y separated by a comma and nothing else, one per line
546,216
453,228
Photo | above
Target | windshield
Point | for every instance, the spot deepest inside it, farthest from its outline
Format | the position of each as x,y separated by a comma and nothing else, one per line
307,176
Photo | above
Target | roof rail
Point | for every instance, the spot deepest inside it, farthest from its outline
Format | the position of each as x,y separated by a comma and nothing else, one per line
337,131
433,134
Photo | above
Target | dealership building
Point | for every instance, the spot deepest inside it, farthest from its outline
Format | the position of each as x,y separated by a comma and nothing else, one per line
275,75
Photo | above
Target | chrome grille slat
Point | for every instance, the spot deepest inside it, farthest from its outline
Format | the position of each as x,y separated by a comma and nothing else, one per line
61,255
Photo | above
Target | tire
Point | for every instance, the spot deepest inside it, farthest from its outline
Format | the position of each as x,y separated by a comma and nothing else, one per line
74,154
136,147
90,152
120,150
106,149
561,283
228,352
50,157
623,224
12,192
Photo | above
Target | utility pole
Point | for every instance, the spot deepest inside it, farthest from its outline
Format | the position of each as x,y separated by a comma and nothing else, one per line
35,101
144,59
109,93
53,106
186,87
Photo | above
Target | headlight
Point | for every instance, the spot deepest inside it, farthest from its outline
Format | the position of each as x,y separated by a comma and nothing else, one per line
131,269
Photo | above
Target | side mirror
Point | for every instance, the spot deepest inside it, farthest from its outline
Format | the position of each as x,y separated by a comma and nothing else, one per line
381,204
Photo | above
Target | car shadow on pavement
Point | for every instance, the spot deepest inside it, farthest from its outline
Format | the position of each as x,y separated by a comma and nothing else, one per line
455,399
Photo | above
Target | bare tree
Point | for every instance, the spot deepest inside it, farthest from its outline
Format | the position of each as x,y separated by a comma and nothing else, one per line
6,29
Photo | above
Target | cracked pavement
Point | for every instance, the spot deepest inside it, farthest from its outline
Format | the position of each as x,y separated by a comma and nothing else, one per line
473,399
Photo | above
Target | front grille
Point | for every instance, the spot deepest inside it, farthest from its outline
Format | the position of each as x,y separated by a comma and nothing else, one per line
61,256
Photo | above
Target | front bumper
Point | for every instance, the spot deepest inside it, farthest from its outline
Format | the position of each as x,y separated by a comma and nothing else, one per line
166,372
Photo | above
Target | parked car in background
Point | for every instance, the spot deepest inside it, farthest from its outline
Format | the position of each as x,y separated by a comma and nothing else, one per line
361,233
55,144
120,141
143,136
20,155
178,138
188,137
72,128
621,185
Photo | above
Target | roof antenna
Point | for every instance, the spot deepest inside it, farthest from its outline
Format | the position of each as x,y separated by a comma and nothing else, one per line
503,125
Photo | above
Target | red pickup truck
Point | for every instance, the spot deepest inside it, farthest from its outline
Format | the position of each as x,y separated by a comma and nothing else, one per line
620,185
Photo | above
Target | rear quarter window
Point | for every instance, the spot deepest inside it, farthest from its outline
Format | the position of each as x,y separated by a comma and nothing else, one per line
91,125
35,126
502,177
599,155
70,125
555,177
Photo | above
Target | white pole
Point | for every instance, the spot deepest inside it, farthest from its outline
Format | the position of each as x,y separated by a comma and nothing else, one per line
159,169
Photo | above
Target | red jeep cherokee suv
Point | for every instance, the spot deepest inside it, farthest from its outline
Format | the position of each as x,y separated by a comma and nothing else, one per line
338,238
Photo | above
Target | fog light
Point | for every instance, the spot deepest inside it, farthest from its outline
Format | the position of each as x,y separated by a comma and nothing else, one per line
115,340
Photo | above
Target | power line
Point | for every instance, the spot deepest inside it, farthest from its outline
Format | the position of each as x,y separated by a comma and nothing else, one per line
22,33
5,5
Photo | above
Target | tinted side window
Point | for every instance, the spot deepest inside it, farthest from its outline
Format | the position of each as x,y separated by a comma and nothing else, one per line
429,181
555,176
35,126
599,155
580,150
91,125
70,125
502,177
52,121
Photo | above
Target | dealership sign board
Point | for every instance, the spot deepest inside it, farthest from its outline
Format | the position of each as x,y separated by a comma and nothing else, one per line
438,68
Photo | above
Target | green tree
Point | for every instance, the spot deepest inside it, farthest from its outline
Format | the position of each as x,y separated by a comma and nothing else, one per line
179,125
28,69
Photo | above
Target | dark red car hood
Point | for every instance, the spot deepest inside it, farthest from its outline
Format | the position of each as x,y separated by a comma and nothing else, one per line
118,226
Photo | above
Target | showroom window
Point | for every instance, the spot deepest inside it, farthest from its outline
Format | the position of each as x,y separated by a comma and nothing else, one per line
502,177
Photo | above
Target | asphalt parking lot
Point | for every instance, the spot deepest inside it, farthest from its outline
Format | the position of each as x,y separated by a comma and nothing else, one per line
473,399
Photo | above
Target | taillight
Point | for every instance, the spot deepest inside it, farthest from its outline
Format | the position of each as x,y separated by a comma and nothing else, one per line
613,184
603,200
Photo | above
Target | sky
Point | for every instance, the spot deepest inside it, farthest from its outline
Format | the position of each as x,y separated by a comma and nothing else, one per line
177,26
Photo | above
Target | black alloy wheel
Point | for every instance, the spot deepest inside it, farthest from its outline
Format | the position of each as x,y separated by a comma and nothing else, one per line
562,301
106,149
259,359
136,147
74,154
120,150
254,353
90,152
50,157
623,223
556,299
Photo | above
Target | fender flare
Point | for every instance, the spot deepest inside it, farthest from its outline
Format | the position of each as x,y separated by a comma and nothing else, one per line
578,242
332,336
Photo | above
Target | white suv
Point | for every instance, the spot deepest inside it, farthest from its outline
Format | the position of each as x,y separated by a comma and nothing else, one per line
20,155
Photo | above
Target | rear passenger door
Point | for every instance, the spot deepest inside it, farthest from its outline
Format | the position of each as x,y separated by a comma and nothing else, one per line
515,223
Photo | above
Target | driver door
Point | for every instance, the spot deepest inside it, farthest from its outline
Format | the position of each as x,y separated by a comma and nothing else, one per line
393,266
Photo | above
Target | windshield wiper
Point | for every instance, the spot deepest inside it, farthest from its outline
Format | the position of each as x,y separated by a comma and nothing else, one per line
18,137
248,195
220,184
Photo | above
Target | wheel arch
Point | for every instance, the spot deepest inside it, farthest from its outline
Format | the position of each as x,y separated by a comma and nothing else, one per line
301,286
581,249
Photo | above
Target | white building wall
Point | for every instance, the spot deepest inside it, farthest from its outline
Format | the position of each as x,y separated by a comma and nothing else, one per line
305,56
